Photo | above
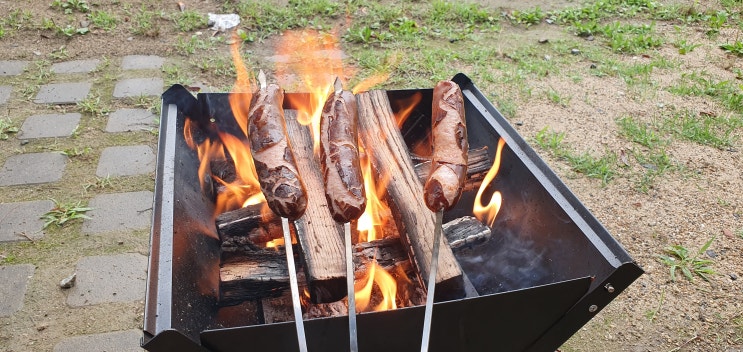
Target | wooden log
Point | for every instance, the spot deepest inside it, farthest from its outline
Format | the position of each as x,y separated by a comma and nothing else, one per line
244,272
390,156
320,237
478,165
240,222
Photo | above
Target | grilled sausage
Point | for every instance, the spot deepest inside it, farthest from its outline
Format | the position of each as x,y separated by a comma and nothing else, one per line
339,153
273,156
449,140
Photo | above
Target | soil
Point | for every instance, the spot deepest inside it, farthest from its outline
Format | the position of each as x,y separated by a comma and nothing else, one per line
700,199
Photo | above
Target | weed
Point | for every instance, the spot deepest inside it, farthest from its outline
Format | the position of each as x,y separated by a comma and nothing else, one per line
62,213
93,105
738,73
69,30
244,36
104,20
147,102
550,140
68,6
601,168
685,47
677,258
735,48
7,127
99,183
639,133
716,21
189,20
60,53
74,152
555,97
366,35
628,38
43,73
189,46
174,75
528,18
700,84
652,313
708,130
144,23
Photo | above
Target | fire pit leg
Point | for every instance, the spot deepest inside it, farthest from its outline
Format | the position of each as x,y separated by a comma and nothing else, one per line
298,322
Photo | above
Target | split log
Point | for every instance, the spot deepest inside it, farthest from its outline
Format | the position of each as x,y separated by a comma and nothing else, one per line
244,273
390,156
320,237
478,165
243,221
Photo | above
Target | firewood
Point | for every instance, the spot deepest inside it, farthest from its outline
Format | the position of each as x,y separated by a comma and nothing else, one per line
262,273
390,156
478,164
320,237
465,232
243,221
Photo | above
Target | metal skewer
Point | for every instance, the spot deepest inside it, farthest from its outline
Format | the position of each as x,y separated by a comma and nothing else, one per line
298,321
352,330
432,281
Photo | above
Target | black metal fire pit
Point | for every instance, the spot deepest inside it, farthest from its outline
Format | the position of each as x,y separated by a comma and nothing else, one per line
549,267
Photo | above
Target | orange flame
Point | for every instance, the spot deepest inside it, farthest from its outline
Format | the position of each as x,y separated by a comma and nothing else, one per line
371,222
370,82
317,59
406,107
486,214
386,285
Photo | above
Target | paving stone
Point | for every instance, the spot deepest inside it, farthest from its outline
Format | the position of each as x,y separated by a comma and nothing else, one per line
142,62
108,279
126,161
119,211
21,221
51,125
32,168
117,341
124,120
12,68
77,66
5,94
14,280
62,93
134,87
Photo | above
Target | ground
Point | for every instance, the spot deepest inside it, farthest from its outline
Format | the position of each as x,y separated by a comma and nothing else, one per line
646,133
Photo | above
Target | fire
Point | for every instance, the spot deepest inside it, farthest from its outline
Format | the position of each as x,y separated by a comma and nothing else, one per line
371,222
486,214
386,284
369,82
317,59
406,107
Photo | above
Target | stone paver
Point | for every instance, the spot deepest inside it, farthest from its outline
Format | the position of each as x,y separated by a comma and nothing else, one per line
77,66
125,120
119,211
142,62
12,68
108,279
14,280
5,94
117,341
21,221
32,168
51,125
126,161
135,87
62,93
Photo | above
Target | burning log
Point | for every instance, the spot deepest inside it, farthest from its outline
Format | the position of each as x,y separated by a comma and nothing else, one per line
465,232
320,237
261,273
260,227
415,221
478,164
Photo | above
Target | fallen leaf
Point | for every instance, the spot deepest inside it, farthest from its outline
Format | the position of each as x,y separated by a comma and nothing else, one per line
727,232
181,6
637,205
623,157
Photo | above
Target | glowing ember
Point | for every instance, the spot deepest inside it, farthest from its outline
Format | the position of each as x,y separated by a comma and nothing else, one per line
384,282
486,214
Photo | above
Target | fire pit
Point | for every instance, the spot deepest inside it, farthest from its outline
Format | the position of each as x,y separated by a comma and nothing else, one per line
546,269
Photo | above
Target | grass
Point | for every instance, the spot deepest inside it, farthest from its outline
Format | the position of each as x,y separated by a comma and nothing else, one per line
144,22
735,48
93,105
189,46
189,20
7,128
602,168
677,258
70,6
63,213
98,184
704,129
103,20
685,47
640,133
727,93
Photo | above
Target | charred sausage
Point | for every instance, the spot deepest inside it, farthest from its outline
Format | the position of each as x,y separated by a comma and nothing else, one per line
339,153
449,140
273,156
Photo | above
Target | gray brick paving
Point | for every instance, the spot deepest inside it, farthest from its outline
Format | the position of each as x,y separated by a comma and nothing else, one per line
12,68
142,62
32,168
49,125
119,211
126,161
77,66
62,93
5,94
117,341
134,87
14,280
21,221
124,120
108,279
